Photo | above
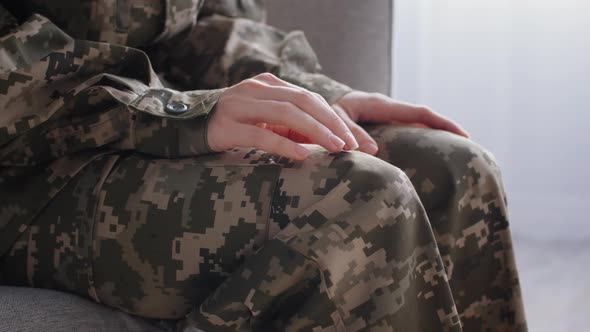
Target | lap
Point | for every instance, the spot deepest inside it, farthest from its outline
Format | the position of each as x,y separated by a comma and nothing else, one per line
168,232
156,236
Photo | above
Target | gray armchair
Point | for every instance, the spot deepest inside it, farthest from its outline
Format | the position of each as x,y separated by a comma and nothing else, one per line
353,42
353,39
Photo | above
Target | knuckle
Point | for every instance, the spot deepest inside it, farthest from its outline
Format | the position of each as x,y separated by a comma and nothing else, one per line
240,84
258,137
310,96
375,97
425,109
334,118
302,95
318,96
285,107
317,127
251,84
333,115
266,76
424,112
357,131
306,97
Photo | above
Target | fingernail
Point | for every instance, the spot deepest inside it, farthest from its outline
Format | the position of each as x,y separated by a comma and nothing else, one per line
301,152
352,141
337,143
370,148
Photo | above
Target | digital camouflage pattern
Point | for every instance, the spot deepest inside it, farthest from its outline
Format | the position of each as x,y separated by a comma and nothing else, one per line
108,190
70,98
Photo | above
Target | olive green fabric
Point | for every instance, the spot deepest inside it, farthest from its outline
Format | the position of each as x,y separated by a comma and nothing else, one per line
108,189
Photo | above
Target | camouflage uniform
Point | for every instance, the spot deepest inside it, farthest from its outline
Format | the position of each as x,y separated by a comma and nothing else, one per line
108,190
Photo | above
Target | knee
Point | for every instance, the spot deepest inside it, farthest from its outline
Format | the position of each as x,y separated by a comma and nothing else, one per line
338,184
463,156
441,165
420,151
473,163
366,176
360,192
473,172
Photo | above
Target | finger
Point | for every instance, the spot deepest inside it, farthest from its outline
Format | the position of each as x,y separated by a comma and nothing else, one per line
386,109
252,136
310,102
307,102
437,121
366,143
290,134
273,80
280,130
287,115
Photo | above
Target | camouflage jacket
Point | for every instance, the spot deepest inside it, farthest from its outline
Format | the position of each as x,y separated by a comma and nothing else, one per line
82,78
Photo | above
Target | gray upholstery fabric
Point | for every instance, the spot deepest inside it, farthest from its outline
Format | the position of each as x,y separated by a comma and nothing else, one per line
31,309
352,38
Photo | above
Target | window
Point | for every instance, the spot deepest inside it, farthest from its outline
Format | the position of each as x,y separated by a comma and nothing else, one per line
516,74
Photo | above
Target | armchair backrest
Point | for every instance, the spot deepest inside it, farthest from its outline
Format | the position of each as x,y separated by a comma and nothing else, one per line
352,38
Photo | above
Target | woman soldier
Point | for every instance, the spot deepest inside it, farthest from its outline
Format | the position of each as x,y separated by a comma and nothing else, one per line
111,188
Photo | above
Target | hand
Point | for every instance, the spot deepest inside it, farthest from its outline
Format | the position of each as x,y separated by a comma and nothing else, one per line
360,106
244,108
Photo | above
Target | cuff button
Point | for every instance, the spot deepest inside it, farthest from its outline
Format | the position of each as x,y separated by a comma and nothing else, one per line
176,107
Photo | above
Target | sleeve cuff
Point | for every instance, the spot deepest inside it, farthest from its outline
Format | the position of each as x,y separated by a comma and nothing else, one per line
173,124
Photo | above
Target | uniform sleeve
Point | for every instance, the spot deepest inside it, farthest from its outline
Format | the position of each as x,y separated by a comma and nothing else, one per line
251,9
133,23
60,96
225,48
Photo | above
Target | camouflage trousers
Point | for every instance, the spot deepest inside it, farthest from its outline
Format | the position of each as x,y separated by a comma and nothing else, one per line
248,241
